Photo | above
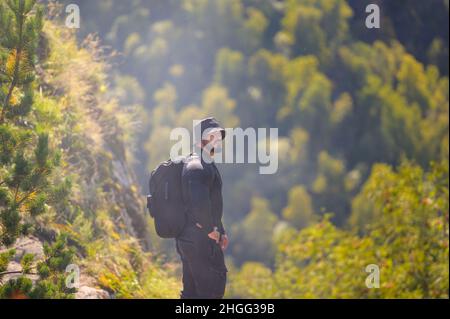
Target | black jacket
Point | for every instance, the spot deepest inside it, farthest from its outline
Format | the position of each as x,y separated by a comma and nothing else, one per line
202,192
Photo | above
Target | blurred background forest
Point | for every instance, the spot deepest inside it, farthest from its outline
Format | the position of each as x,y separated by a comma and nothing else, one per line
363,150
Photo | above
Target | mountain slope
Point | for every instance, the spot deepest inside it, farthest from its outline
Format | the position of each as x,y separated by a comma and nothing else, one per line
100,212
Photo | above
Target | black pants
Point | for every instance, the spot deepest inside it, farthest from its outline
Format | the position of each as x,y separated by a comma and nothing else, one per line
204,270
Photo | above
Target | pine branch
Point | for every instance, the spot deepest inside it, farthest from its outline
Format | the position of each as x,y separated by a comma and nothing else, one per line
24,198
16,191
16,68
17,272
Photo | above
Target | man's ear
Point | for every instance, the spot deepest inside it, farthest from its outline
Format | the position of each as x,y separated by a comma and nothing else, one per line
209,139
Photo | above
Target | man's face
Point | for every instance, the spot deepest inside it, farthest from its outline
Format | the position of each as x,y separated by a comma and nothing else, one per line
213,142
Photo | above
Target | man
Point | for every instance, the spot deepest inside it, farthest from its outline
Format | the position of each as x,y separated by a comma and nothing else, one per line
203,240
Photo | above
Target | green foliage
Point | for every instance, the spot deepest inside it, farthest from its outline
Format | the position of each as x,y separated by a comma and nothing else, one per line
26,262
51,271
315,27
21,23
255,233
323,262
26,158
5,258
92,171
25,181
260,278
299,211
405,233
19,288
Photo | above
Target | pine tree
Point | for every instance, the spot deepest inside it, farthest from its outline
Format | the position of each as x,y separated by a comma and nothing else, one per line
51,271
23,167
26,159
20,26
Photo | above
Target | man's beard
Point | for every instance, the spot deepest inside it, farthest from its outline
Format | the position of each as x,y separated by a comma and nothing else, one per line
216,149
213,150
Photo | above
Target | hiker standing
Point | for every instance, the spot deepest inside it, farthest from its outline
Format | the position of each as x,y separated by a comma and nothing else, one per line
203,239
185,201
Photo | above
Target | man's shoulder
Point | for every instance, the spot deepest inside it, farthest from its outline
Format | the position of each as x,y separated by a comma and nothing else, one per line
193,165
193,162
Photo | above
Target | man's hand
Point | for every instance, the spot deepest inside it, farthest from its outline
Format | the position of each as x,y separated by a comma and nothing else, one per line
224,242
214,235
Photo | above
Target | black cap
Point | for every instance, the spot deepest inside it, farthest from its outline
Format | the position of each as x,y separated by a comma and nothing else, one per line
209,123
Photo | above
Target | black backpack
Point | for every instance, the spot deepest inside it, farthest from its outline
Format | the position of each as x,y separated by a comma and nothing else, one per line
165,201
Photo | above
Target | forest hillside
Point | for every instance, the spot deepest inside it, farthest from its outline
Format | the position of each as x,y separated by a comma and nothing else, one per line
68,195
363,147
